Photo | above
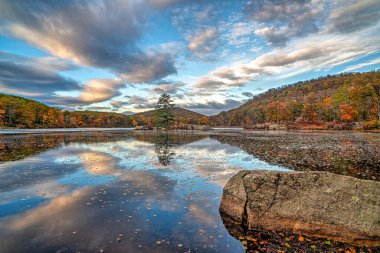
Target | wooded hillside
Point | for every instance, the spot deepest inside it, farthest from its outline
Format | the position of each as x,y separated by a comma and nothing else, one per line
181,116
21,112
26,113
341,98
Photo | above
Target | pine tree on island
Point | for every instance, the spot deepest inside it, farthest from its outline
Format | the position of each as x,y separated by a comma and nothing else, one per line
164,116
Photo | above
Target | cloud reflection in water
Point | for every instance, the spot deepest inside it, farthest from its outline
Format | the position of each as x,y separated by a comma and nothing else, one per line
121,196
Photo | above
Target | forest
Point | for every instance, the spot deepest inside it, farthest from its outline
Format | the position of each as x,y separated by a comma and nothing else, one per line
343,98
19,112
26,113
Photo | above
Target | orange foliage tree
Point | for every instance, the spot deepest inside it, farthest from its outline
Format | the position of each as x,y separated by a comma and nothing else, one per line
2,116
275,111
348,113
204,120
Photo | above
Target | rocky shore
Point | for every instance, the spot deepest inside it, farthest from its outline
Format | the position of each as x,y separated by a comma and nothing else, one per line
318,204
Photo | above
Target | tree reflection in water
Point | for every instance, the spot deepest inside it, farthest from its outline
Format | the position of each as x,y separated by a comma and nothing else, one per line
164,149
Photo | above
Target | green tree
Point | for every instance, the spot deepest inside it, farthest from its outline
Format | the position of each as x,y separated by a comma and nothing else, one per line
66,116
164,111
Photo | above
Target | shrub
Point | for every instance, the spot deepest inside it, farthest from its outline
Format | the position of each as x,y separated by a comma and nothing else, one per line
373,124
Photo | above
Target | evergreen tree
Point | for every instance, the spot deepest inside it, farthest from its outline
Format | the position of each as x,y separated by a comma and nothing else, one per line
164,111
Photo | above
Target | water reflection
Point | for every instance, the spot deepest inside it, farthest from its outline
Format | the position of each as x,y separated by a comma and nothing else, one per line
117,192
164,149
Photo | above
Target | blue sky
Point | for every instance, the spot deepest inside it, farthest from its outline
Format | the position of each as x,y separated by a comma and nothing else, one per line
120,55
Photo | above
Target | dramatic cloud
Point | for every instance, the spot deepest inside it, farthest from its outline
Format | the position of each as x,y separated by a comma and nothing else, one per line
33,77
104,34
92,54
284,20
96,90
149,67
312,53
351,16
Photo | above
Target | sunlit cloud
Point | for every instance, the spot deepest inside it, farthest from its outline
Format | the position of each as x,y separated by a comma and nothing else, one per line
103,34
97,90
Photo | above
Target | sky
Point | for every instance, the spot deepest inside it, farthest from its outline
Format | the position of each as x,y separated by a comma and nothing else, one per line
210,56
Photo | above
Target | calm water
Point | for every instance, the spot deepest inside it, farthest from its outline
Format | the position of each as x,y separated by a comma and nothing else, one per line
133,194
113,192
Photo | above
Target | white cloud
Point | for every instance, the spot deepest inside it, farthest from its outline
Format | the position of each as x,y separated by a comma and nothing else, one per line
312,53
361,65
201,42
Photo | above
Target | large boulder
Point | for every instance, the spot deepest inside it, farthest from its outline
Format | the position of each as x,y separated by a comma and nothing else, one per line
319,204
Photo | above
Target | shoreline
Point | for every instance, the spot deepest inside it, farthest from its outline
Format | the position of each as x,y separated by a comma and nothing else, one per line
212,130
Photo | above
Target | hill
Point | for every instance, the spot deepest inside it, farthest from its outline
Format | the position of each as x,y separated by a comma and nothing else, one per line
180,114
21,112
339,98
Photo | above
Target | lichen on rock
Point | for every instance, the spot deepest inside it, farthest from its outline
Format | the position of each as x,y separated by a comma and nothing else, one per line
319,204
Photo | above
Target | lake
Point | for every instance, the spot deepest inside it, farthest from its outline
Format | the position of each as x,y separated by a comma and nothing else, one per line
129,191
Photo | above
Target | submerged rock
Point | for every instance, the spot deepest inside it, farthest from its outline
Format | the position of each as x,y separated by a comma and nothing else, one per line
318,204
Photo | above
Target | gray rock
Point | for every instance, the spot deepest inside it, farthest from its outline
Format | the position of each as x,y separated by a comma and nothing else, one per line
319,204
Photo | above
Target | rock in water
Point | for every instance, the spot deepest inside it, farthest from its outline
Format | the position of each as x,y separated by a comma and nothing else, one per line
319,204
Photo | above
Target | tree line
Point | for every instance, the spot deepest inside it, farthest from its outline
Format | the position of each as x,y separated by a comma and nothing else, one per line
26,113
335,98
21,112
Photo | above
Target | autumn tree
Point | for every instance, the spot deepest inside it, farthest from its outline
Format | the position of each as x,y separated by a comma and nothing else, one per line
274,111
204,120
134,122
259,115
247,122
51,117
376,87
311,109
327,113
348,113
362,98
2,114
